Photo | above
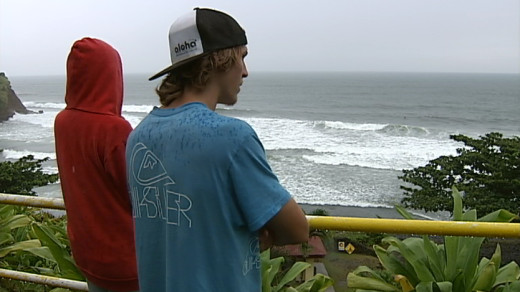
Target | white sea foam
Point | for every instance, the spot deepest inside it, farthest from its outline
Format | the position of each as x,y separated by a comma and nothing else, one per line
362,145
17,154
334,144
386,152
132,108
61,105
132,113
133,119
405,130
45,119
349,126
44,105
330,142
50,169
29,128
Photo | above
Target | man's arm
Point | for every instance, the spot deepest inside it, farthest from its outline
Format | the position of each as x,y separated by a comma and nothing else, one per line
289,226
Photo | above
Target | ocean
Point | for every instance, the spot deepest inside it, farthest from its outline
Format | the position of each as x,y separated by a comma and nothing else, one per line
331,138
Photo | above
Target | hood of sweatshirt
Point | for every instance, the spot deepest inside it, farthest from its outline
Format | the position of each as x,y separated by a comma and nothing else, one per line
94,78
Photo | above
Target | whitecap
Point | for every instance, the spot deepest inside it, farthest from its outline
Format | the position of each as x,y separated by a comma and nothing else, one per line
405,130
17,154
44,119
349,126
133,108
48,105
363,146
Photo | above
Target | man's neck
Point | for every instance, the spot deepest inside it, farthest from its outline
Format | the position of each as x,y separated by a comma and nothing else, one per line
208,96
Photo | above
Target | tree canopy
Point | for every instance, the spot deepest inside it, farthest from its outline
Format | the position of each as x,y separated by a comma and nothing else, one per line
486,170
21,176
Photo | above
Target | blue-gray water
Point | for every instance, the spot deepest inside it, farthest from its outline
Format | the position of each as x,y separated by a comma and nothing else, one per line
332,138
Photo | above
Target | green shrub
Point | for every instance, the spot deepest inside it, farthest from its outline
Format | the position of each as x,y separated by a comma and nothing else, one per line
275,280
486,170
20,177
31,240
35,247
319,212
419,264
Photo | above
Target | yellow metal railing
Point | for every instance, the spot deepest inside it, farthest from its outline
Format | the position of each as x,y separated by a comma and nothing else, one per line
402,226
393,226
39,202
45,280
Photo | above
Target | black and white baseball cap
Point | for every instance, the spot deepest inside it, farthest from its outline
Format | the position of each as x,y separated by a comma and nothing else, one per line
200,32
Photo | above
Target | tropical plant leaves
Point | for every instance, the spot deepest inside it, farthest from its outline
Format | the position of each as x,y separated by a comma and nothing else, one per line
367,283
293,272
271,270
60,254
452,266
22,245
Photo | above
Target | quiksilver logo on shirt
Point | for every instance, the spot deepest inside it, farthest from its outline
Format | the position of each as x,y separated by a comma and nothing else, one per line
185,47
153,190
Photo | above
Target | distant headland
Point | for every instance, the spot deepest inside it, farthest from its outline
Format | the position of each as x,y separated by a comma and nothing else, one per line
9,101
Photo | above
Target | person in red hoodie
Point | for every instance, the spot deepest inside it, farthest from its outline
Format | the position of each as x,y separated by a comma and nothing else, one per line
90,136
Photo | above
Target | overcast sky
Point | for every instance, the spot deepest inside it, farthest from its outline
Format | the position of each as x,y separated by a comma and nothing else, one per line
350,35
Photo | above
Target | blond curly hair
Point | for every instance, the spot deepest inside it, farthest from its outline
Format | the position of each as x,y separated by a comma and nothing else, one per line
196,73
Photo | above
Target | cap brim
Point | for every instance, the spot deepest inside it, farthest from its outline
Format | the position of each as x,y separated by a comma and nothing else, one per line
176,65
163,72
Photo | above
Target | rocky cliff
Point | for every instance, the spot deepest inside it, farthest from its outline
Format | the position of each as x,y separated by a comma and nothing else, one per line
9,102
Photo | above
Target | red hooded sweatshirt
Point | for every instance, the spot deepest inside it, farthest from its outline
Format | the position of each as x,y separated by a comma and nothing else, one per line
91,136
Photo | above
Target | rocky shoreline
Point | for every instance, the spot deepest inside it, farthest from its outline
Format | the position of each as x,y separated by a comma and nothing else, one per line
9,101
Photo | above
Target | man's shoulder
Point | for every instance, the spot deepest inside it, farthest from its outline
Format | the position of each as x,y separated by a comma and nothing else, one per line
235,124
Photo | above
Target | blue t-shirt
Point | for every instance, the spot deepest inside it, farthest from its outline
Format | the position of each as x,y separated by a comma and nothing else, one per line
201,189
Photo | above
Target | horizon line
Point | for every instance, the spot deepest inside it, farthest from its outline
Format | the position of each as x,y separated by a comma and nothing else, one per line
299,72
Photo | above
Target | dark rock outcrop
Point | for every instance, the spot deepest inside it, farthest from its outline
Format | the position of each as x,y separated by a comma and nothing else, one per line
9,102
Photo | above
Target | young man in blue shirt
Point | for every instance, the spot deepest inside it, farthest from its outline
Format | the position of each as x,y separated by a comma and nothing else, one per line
204,196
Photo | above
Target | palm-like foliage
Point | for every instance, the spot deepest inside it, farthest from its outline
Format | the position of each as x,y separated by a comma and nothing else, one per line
419,264
273,279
